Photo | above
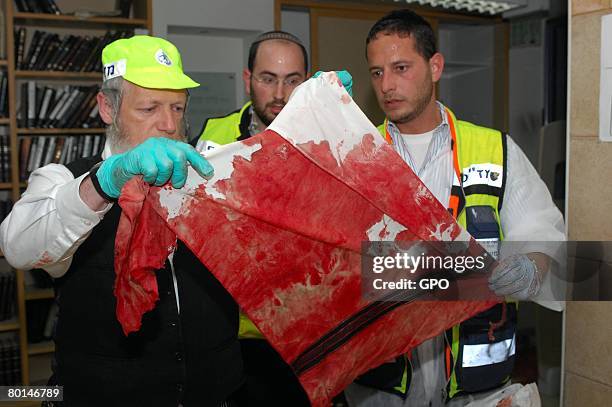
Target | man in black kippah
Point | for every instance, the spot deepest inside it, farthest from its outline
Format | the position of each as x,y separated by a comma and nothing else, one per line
277,64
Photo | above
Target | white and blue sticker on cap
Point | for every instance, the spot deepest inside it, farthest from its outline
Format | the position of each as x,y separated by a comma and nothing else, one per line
114,69
163,58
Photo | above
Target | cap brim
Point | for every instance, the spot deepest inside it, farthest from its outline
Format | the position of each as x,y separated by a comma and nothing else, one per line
180,81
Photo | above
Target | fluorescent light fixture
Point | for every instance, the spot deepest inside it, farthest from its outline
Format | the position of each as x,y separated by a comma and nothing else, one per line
475,6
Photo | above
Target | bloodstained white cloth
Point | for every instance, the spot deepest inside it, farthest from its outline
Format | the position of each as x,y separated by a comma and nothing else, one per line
281,224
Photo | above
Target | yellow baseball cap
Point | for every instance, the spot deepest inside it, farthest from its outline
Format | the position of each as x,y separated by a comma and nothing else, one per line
146,61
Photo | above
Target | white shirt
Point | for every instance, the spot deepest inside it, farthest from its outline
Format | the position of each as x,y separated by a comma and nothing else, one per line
50,221
417,146
528,214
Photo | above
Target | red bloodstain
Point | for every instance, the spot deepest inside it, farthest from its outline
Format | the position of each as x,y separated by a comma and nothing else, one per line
310,214
45,259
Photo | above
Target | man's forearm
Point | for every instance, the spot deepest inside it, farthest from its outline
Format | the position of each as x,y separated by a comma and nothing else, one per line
48,223
90,196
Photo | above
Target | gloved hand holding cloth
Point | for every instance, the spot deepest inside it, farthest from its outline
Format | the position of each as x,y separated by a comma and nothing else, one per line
519,276
344,76
157,160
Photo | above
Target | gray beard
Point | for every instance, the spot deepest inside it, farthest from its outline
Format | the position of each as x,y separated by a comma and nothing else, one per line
117,140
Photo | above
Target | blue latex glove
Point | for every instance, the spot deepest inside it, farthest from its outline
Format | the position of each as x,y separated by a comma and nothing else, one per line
157,160
345,77
516,276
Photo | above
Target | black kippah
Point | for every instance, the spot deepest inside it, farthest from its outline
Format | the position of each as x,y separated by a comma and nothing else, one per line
278,35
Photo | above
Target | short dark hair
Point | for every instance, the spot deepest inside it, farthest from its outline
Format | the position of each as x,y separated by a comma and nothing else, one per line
275,35
407,23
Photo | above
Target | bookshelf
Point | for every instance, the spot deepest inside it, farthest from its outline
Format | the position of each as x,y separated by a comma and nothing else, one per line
35,357
61,131
9,325
81,76
41,19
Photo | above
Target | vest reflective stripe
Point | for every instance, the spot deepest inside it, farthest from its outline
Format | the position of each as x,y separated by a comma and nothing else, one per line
487,354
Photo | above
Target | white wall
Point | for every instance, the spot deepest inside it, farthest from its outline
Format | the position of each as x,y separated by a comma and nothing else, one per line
466,86
526,99
256,15
297,22
213,35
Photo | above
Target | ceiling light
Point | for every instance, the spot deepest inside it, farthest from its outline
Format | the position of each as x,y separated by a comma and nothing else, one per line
474,6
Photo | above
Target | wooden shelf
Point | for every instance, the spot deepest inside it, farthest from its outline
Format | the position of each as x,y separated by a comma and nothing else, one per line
58,75
9,325
39,293
35,357
60,131
93,21
41,348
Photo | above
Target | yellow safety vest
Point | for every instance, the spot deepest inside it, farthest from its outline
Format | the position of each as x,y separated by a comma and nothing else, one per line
227,129
479,160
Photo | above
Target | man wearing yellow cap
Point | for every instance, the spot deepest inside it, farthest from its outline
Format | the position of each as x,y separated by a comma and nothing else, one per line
186,352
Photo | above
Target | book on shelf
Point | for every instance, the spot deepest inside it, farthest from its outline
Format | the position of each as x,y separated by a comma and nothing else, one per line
5,155
49,51
25,144
3,93
124,7
20,38
37,151
47,96
8,285
31,49
49,152
32,153
21,6
10,360
50,321
56,104
41,143
31,104
2,34
37,6
63,106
